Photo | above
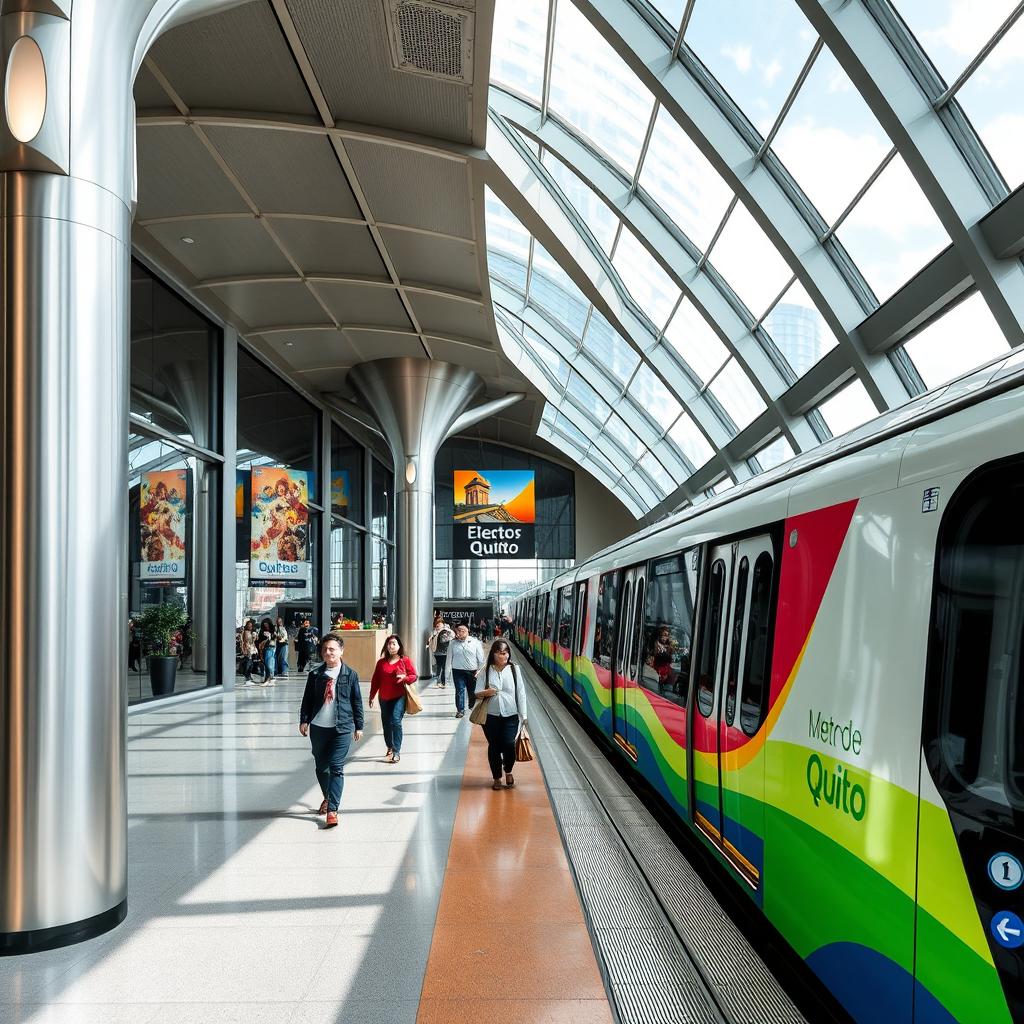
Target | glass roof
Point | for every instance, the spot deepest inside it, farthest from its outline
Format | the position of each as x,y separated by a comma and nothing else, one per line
728,238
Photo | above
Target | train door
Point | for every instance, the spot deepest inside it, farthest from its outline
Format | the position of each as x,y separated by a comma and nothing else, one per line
734,660
628,658
973,753
579,629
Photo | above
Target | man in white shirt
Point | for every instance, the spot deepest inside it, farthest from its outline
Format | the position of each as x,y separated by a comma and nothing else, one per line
465,659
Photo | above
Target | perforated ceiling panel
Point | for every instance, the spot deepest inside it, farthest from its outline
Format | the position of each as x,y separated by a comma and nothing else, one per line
222,247
237,60
272,304
450,316
177,175
407,187
420,257
365,87
327,246
429,39
287,172
309,350
360,304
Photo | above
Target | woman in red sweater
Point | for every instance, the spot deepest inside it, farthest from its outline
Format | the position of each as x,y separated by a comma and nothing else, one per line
393,672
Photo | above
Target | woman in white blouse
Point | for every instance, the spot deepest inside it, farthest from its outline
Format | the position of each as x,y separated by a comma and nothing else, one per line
506,711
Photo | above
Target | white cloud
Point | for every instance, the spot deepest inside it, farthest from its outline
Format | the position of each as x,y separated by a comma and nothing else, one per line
741,55
970,25
770,71
1004,137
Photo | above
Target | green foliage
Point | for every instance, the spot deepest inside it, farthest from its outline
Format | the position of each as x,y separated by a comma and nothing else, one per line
158,624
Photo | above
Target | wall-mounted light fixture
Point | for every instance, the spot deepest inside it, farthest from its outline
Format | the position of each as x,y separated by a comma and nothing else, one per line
410,471
35,48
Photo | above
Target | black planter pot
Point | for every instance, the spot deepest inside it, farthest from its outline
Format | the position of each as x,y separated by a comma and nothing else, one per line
162,670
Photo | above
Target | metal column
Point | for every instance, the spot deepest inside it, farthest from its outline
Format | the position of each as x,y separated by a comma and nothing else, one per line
416,401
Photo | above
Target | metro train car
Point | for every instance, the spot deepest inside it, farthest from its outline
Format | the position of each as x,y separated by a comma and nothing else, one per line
820,672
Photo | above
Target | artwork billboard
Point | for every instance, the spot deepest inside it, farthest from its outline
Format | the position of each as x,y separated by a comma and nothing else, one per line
163,506
341,489
494,514
279,533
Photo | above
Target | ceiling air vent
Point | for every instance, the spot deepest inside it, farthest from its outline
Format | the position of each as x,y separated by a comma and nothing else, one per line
432,39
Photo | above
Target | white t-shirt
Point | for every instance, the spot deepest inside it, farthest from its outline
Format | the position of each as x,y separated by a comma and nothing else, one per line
325,716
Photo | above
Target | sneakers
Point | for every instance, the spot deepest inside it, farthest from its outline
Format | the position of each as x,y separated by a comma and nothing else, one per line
323,807
460,714
332,820
250,682
270,682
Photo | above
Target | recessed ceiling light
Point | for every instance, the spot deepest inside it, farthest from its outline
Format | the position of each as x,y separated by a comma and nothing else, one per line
188,240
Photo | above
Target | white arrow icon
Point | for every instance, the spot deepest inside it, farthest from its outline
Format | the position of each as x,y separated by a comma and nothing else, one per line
1005,931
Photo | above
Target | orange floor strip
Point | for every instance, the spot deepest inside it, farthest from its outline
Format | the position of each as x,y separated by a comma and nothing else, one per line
510,942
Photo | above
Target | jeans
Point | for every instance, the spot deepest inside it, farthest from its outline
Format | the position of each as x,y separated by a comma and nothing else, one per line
269,661
391,712
439,660
282,659
501,732
464,679
330,749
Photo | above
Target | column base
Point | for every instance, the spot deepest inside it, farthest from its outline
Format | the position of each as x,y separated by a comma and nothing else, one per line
19,943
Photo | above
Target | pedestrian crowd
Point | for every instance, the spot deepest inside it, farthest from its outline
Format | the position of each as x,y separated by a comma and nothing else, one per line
331,713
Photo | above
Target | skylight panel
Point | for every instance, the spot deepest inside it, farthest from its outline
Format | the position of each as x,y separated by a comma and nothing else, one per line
737,395
652,398
690,441
690,334
893,231
518,44
608,350
799,330
593,90
651,288
681,180
592,210
847,409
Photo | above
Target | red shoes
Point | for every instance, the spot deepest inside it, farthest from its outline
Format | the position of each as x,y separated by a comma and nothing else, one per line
332,819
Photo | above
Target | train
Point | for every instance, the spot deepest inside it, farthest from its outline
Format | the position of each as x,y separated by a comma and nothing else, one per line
820,673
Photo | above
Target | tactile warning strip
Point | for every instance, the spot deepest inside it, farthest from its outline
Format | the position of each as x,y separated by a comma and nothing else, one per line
669,951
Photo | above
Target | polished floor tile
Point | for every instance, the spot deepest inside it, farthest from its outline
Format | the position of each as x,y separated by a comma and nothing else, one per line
241,907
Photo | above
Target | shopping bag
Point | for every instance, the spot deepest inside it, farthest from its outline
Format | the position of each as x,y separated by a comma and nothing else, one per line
524,748
412,700
479,713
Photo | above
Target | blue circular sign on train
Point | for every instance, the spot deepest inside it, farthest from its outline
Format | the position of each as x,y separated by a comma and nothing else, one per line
1006,871
1007,929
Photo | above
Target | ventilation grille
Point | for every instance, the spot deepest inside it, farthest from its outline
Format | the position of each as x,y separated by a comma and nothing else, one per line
430,39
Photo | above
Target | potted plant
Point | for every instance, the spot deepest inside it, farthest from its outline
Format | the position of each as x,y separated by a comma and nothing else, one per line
162,627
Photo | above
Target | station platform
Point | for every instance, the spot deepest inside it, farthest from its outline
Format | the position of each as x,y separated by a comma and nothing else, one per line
437,899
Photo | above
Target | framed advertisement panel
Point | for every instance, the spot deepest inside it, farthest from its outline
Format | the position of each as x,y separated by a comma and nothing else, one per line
494,514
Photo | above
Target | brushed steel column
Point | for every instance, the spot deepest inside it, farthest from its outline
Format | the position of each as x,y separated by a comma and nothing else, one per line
477,579
416,401
63,560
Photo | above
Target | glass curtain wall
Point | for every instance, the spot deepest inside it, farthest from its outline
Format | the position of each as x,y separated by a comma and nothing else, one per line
382,542
348,526
174,481
278,502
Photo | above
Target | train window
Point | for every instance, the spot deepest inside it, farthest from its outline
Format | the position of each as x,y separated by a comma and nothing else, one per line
668,629
581,617
976,665
622,634
758,656
637,637
565,617
549,616
708,665
604,631
736,640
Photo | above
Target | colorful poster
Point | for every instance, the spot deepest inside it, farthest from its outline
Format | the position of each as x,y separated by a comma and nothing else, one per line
494,514
279,538
163,500
241,478
340,491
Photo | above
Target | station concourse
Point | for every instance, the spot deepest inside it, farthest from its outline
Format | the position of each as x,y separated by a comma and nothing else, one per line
674,345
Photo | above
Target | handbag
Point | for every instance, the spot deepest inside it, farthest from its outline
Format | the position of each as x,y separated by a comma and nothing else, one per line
479,713
412,700
524,748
